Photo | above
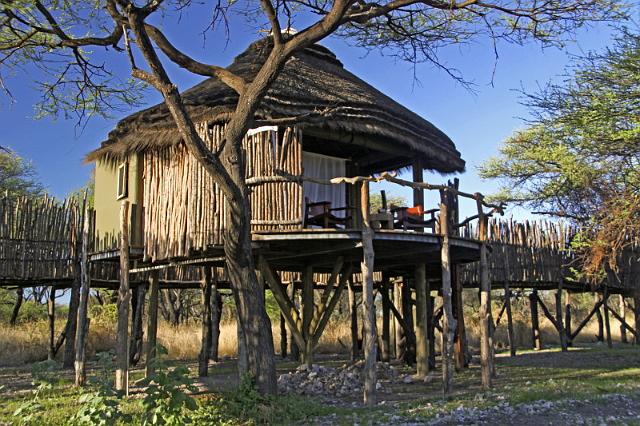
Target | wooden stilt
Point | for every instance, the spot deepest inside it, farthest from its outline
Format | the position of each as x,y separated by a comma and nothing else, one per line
597,298
535,325
486,355
152,322
124,300
448,322
51,315
422,338
369,319
431,329
283,337
607,324
293,295
636,315
458,309
353,307
135,351
82,323
216,317
567,318
623,314
409,354
584,322
307,314
205,349
400,342
510,333
386,320
559,323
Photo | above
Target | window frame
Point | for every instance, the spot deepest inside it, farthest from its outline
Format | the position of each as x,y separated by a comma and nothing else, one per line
122,184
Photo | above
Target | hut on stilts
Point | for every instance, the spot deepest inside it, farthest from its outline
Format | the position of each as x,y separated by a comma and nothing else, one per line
158,223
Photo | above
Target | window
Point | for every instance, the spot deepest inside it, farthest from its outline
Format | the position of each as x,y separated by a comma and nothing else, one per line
123,181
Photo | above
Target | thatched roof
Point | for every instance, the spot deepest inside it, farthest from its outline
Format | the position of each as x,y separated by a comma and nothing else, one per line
311,81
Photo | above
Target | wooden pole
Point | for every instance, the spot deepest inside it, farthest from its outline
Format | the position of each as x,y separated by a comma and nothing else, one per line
567,318
600,336
82,324
460,338
216,317
448,322
422,334
386,321
486,355
400,341
307,314
510,333
295,349
606,319
124,300
353,311
535,325
559,323
205,286
366,266
51,314
283,337
135,351
431,329
623,314
409,354
152,322
636,315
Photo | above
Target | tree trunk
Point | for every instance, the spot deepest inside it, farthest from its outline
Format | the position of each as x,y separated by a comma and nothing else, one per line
16,306
205,286
152,323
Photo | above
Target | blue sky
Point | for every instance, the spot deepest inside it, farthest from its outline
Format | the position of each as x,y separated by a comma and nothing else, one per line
476,122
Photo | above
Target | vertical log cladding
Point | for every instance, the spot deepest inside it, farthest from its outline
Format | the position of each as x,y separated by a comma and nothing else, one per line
185,210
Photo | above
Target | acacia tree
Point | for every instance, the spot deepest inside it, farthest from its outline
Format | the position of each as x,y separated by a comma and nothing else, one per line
34,31
580,156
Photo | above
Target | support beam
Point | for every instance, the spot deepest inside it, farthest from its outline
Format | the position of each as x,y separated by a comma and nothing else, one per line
205,287
152,322
135,351
535,324
216,317
386,320
82,322
567,318
636,315
597,302
400,342
124,300
596,309
431,329
448,322
307,314
422,338
623,323
51,314
623,314
559,323
510,334
283,337
353,314
607,324
409,354
369,318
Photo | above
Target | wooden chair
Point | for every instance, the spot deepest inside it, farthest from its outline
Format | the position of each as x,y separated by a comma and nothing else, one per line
407,218
321,214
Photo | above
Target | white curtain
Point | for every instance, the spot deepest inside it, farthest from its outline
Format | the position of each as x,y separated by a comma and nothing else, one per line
324,167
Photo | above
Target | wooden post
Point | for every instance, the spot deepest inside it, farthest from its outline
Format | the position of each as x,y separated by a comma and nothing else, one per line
460,338
567,318
623,314
283,337
486,351
400,341
636,315
386,320
124,300
366,266
510,333
535,325
600,336
422,334
205,287
152,322
293,295
409,354
51,314
307,314
431,329
353,308
135,346
216,317
82,324
560,327
606,319
448,322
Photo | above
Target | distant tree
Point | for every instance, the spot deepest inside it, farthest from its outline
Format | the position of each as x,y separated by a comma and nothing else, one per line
87,189
61,38
580,156
18,176
375,202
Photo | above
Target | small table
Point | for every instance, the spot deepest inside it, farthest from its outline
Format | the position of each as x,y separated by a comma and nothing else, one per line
381,220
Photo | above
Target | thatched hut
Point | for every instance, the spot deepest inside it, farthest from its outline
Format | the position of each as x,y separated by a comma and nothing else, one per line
344,127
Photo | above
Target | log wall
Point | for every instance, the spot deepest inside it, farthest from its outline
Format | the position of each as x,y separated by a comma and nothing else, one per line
184,210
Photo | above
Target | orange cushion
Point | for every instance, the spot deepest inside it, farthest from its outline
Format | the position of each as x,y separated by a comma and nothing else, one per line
416,211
